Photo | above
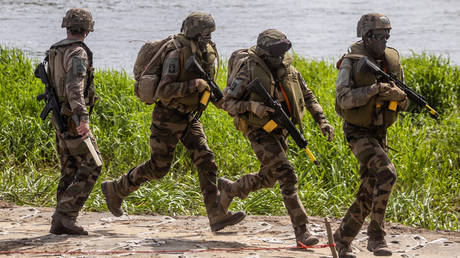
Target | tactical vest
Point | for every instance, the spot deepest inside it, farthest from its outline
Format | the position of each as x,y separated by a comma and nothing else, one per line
58,76
187,48
287,87
369,115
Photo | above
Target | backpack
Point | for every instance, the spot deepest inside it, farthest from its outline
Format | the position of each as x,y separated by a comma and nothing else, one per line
147,68
236,61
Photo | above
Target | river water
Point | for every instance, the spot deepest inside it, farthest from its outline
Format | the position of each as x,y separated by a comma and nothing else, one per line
319,29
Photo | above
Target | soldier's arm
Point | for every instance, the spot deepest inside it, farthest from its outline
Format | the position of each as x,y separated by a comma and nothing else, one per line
168,87
311,102
234,94
76,64
346,96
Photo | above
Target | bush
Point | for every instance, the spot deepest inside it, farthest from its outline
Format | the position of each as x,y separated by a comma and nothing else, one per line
434,78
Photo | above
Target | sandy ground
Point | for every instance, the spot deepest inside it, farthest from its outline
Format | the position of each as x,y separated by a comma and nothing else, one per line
24,233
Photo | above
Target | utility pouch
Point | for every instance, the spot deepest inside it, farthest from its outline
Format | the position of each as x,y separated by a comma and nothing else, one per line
146,87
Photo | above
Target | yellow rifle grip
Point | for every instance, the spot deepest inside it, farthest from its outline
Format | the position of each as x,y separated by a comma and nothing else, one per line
270,126
393,105
205,97
311,156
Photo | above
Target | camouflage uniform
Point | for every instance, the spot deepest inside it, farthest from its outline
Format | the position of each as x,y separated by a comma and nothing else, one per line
70,72
269,147
365,132
173,121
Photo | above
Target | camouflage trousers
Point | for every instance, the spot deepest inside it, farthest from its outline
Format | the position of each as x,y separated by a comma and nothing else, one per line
167,129
270,149
79,173
378,175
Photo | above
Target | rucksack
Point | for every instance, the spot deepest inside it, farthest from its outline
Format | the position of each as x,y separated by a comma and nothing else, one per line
236,61
147,68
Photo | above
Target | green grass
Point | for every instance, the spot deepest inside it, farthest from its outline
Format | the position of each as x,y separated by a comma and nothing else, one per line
427,157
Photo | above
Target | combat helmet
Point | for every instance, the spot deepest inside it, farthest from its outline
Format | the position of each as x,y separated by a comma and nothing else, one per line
272,42
78,18
197,23
372,21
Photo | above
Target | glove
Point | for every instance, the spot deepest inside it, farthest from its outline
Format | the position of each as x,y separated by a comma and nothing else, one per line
327,130
219,103
384,87
260,109
200,84
393,94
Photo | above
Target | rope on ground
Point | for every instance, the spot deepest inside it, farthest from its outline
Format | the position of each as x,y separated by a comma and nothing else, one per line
302,246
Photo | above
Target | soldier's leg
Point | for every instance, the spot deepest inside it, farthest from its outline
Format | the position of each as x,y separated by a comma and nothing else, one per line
354,218
269,152
68,167
194,140
73,196
166,129
270,149
244,185
375,169
385,174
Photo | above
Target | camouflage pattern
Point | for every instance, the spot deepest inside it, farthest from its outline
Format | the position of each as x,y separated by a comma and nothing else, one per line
198,23
369,146
78,18
168,128
378,175
79,171
172,89
348,97
235,104
270,149
268,40
173,121
372,21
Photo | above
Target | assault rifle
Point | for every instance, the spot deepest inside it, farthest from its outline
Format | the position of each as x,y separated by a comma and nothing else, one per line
364,63
193,66
279,117
50,97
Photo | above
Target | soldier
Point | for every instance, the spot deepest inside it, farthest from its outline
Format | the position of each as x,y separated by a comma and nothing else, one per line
70,73
178,92
271,64
365,105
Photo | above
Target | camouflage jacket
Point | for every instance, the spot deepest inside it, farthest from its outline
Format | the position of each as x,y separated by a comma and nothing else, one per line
69,70
238,103
177,87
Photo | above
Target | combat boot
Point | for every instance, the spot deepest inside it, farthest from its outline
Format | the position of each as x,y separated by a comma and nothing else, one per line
218,217
378,246
115,191
63,224
303,236
225,187
343,250
220,220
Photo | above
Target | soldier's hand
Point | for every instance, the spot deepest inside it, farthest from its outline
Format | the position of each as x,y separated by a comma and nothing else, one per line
384,87
327,130
83,129
200,84
219,103
260,109
393,94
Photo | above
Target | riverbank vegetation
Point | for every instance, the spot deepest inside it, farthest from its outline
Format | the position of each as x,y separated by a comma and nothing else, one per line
426,151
